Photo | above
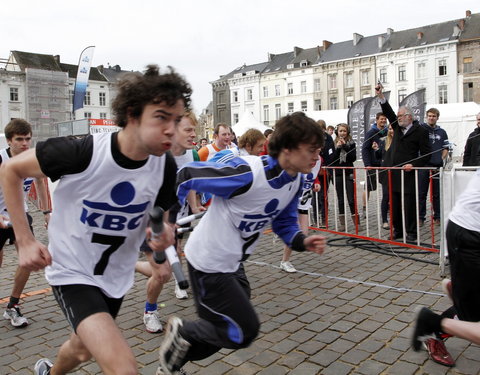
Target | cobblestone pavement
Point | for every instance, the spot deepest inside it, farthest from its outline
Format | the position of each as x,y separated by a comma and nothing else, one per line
349,311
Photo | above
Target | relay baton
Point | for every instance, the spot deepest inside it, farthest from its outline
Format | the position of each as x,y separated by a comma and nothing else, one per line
156,223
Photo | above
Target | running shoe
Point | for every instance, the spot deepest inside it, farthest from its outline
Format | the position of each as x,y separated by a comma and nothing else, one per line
287,267
180,293
173,349
15,316
151,319
43,366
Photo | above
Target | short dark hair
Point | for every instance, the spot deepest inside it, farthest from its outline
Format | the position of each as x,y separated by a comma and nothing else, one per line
379,114
267,132
136,90
293,130
17,126
434,111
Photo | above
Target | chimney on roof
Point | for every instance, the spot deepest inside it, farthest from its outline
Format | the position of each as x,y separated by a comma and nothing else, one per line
270,56
326,44
100,68
57,58
389,31
356,38
461,24
468,14
381,41
296,51
117,68
419,35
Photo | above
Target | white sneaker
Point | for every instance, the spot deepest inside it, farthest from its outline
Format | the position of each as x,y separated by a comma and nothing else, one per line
173,348
151,319
287,267
43,366
15,316
180,293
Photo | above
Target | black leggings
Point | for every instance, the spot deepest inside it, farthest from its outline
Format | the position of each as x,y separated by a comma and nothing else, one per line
227,317
464,257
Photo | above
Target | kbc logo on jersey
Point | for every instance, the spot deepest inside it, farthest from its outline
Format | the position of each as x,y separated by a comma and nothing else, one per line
254,223
116,217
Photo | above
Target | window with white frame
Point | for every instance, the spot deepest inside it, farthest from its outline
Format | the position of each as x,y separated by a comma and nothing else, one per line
402,73
333,102
349,79
235,96
278,111
265,91
102,98
468,92
103,115
316,84
303,105
421,69
87,114
235,118
303,87
277,90
266,113
87,100
402,94
442,94
349,101
249,94
290,88
317,105
14,94
332,81
442,67
383,75
290,107
365,77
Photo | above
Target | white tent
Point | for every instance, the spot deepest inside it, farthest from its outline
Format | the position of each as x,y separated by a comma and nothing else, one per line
247,121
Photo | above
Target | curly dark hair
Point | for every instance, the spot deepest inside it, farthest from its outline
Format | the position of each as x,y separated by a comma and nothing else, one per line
136,90
293,130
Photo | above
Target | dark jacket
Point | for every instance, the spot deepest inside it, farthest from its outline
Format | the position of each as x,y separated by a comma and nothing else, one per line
328,150
351,156
369,156
438,140
411,148
471,155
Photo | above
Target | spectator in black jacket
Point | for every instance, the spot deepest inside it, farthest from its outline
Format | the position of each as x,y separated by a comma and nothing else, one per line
369,155
409,149
471,155
325,175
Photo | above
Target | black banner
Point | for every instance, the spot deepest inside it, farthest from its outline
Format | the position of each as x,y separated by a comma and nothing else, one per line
416,102
356,121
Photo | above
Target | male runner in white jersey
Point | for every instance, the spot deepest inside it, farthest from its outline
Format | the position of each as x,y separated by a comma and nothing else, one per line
18,133
107,184
250,192
159,274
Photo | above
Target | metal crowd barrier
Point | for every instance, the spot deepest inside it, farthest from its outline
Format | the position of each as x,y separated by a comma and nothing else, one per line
370,227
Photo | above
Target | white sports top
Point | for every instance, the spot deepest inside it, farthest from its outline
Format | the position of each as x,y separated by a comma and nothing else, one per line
466,211
100,219
27,185
231,227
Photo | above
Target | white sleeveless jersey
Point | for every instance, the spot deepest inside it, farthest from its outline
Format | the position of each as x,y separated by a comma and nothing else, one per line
211,151
99,221
181,160
231,227
305,201
27,185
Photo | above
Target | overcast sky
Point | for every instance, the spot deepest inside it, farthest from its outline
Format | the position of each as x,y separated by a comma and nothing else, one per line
204,39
